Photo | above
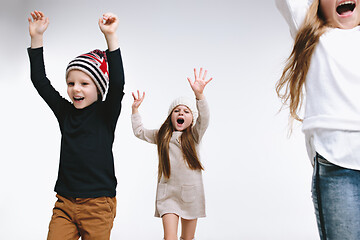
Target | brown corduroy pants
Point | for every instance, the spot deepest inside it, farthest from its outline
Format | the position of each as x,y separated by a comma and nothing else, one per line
88,218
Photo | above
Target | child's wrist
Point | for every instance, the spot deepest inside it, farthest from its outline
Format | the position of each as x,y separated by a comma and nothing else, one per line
36,41
135,110
199,96
112,41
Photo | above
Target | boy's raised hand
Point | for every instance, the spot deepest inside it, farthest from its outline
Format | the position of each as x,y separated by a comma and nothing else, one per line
108,25
37,26
199,84
137,101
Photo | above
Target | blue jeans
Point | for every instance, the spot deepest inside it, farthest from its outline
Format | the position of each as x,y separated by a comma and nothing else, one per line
336,198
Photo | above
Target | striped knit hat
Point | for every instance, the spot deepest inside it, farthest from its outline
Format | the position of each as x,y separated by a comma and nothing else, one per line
95,65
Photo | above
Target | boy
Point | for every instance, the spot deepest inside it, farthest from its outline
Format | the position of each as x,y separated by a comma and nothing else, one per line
86,184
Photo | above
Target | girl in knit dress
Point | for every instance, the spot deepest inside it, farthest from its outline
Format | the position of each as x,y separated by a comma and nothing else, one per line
325,59
180,191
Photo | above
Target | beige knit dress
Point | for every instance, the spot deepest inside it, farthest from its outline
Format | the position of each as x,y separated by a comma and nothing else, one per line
183,193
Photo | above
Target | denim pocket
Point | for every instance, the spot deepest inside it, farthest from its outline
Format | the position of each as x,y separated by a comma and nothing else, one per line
326,164
322,161
188,193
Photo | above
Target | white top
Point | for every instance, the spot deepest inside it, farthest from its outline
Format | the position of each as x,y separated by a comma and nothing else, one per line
332,110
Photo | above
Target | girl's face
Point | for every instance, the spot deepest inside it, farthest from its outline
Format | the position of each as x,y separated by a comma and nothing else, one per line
343,14
181,118
81,89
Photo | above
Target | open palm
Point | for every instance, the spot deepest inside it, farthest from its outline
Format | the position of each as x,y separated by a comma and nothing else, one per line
137,99
38,24
200,82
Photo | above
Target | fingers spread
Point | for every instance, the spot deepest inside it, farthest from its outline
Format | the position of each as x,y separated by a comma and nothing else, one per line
204,75
200,72
189,80
139,97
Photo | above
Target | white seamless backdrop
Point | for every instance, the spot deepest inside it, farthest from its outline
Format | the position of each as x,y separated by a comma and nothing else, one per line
257,181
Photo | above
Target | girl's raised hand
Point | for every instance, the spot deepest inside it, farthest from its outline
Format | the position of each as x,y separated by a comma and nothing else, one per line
199,84
137,101
38,24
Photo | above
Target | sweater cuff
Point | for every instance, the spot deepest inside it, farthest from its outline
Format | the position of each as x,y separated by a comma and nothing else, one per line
35,50
135,116
112,52
201,102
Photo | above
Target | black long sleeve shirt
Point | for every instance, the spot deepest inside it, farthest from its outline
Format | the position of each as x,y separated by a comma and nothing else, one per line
86,168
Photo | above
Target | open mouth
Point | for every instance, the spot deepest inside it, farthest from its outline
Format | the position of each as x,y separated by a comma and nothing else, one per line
346,8
180,121
78,98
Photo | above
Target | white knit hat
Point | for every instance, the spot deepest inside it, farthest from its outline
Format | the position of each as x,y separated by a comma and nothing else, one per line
186,102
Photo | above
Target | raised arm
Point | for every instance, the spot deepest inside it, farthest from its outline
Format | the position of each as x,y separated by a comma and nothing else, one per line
198,87
294,12
137,125
38,24
108,25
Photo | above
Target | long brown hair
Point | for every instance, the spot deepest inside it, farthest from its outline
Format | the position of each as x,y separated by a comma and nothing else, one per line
298,63
187,142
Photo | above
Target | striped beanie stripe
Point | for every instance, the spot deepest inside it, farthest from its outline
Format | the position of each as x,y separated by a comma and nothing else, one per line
95,65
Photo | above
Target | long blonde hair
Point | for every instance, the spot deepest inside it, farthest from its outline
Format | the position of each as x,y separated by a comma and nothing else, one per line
188,148
298,63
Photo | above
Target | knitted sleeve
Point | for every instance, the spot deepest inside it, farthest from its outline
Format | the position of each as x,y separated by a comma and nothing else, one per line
202,122
116,86
294,12
42,83
141,132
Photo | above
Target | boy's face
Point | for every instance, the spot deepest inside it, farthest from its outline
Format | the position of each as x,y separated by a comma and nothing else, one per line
181,118
340,13
81,89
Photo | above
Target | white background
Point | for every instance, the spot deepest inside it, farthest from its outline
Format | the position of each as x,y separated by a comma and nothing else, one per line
257,180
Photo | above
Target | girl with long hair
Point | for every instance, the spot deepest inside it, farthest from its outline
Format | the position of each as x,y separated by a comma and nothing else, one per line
323,67
180,191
